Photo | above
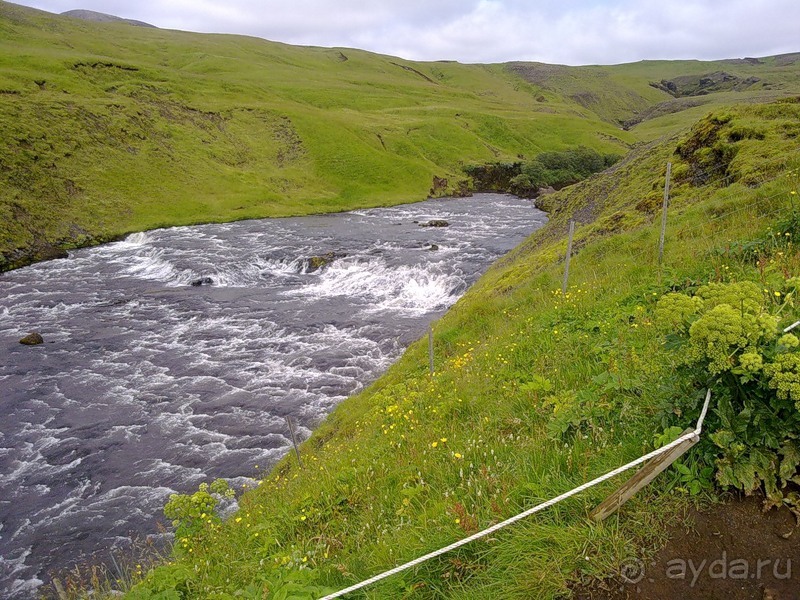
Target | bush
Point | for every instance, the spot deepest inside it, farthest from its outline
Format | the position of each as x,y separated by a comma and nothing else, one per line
549,169
559,169
730,341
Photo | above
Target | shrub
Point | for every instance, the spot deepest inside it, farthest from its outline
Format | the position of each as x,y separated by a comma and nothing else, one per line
729,340
549,169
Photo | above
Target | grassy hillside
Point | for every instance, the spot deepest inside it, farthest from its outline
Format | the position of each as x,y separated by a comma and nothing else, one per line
536,392
108,128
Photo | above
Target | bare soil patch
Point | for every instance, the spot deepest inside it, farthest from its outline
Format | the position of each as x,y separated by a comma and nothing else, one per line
732,551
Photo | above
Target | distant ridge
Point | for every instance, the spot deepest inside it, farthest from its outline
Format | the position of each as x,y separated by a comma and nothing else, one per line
98,17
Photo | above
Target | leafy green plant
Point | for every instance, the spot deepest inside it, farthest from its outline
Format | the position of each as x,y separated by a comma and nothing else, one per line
190,513
733,344
298,584
578,414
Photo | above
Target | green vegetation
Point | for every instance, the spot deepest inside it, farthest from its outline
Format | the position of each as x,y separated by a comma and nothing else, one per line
536,392
110,129
546,170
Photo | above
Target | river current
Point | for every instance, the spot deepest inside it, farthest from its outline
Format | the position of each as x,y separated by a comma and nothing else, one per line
148,385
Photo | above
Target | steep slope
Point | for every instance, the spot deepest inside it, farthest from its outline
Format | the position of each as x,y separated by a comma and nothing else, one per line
110,128
536,392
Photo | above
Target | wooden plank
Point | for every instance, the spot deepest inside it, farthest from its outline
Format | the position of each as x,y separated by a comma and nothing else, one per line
642,477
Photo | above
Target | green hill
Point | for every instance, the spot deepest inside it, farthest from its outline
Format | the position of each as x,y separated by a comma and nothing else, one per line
109,128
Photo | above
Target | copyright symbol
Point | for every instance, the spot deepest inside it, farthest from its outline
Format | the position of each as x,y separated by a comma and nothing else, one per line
632,570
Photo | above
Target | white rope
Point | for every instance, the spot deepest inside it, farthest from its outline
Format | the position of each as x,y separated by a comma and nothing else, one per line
692,435
792,326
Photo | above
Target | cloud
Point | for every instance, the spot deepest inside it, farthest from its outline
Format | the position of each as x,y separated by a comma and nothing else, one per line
566,31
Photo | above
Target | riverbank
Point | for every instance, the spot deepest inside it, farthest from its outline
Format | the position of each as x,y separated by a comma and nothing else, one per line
172,357
534,393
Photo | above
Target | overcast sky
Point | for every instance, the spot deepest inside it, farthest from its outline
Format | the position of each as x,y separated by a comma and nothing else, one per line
554,31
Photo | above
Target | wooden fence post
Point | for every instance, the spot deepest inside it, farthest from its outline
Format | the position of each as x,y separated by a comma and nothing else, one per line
664,215
430,349
566,260
294,440
642,477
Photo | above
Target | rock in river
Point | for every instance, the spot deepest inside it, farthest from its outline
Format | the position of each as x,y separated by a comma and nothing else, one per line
32,339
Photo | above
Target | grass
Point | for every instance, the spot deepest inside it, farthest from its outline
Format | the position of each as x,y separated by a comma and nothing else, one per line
534,393
110,129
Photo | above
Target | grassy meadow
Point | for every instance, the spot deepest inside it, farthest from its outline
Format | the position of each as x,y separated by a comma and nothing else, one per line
110,129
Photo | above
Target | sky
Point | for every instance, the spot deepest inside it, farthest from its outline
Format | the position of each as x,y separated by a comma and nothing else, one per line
573,32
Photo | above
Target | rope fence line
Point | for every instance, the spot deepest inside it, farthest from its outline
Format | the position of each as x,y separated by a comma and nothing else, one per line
692,435
753,205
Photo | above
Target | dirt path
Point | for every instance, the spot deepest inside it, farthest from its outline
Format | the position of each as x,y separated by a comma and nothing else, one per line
729,552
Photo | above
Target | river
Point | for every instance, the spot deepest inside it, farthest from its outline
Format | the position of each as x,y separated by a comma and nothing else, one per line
148,385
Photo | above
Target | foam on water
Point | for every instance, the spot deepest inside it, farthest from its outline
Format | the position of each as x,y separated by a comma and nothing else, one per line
413,289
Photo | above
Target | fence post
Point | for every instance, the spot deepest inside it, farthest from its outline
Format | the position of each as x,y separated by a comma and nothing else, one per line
430,349
664,215
566,260
294,440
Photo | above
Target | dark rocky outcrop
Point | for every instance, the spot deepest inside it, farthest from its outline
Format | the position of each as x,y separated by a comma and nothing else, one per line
32,339
493,177
700,85
435,223
203,281
323,260
438,187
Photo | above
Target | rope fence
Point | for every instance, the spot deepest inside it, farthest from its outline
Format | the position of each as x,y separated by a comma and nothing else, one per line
692,435
760,207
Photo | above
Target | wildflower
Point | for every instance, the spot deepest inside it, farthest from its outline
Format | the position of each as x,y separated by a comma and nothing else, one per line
434,444
457,455
718,334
